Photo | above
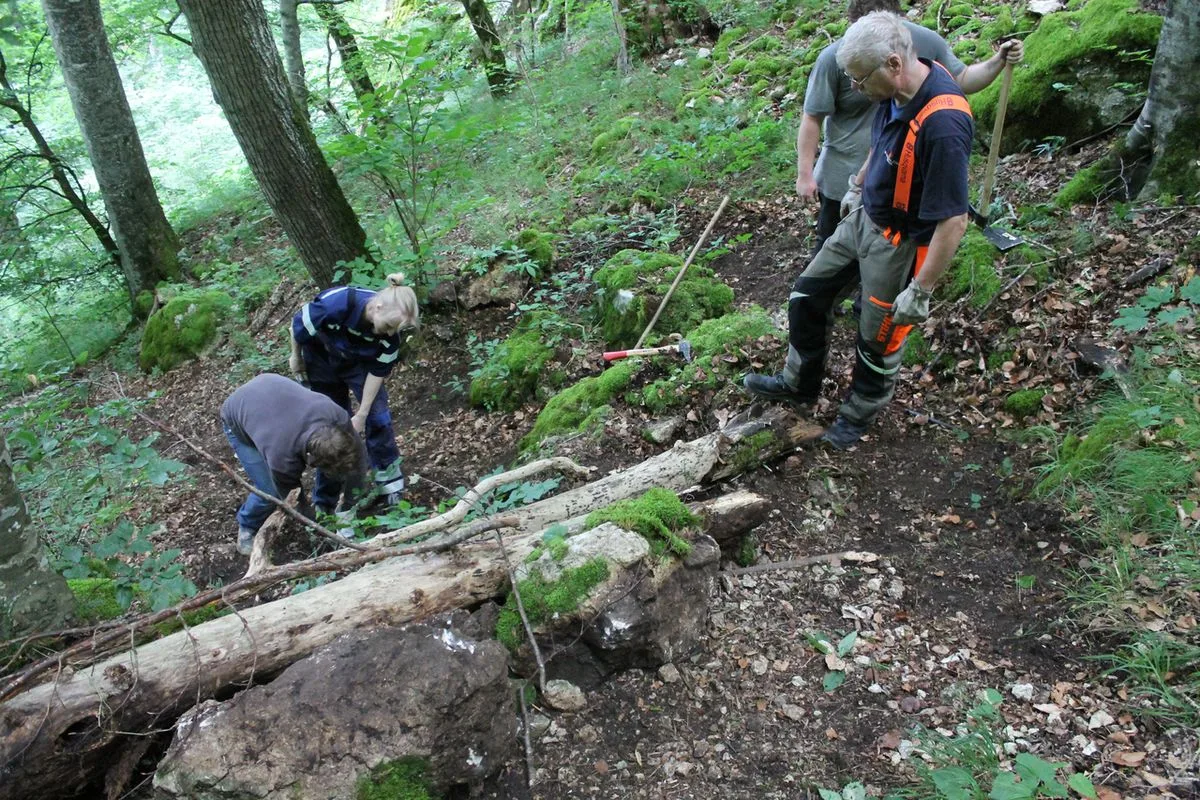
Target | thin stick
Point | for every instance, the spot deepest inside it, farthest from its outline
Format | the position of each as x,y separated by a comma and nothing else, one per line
683,269
533,645
322,531
529,778
796,563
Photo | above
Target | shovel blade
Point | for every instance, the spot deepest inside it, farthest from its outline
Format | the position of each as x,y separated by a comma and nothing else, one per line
1002,239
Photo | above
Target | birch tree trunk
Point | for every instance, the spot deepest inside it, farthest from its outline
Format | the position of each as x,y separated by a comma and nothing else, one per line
148,245
33,597
233,41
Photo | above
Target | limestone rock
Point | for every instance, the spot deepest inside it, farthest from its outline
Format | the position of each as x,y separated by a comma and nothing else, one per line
364,700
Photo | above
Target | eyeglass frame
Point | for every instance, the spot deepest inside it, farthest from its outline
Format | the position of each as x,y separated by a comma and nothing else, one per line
857,83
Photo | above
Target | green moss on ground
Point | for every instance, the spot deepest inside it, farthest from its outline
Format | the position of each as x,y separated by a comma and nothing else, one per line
605,140
632,284
658,515
538,247
916,349
1112,34
718,348
403,779
973,271
1087,186
577,407
182,328
517,367
95,599
544,600
1024,403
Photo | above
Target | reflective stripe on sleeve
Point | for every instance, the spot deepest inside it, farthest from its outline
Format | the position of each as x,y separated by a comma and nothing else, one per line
306,318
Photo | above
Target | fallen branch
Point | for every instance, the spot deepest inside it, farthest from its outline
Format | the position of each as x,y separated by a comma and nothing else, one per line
799,563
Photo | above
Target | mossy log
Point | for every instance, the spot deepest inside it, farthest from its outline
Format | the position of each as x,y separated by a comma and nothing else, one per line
58,738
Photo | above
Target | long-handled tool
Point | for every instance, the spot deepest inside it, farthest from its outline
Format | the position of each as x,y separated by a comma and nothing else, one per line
1003,239
682,347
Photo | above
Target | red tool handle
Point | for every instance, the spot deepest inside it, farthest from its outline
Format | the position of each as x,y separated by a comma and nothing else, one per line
613,355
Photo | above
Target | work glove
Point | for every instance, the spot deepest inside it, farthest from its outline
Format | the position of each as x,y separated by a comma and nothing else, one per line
296,365
912,306
852,199
345,520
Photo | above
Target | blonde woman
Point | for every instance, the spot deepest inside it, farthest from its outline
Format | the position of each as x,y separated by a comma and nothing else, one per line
347,339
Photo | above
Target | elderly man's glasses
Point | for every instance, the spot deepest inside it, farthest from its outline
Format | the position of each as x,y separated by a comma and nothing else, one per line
857,83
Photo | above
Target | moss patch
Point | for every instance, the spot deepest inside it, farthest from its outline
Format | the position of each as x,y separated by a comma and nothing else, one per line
403,779
95,599
658,515
182,328
1080,52
1024,403
632,284
718,346
973,271
538,246
544,600
517,367
579,406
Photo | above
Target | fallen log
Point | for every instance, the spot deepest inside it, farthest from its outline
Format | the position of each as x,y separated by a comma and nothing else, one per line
57,738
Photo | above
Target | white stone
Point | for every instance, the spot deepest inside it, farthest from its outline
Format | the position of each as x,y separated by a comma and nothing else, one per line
1022,691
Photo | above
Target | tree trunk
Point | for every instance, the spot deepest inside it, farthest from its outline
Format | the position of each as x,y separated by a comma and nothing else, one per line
1169,126
353,63
293,56
56,737
58,171
498,77
149,247
623,63
233,41
33,597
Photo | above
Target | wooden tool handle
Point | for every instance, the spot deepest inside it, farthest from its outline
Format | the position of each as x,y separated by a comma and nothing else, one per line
989,172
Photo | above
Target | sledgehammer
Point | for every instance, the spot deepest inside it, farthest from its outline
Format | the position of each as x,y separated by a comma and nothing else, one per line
682,347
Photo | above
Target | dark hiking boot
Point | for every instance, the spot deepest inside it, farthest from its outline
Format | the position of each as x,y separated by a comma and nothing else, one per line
775,388
843,434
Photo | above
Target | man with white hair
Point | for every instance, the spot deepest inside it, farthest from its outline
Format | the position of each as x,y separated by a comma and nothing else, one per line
900,235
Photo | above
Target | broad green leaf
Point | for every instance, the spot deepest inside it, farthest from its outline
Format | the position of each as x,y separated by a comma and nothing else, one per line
854,791
1131,319
847,643
833,680
1082,784
1156,296
1191,291
828,794
1007,787
1035,770
1169,316
954,783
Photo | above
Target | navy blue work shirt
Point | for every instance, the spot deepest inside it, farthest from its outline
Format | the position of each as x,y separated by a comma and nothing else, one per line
939,187
334,320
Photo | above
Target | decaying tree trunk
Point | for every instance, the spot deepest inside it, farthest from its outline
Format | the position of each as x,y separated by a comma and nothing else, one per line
57,738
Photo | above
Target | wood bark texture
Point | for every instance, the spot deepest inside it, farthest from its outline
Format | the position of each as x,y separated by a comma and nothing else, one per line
491,48
233,41
148,245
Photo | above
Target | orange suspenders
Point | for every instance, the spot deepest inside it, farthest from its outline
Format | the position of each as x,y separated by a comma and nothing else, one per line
904,170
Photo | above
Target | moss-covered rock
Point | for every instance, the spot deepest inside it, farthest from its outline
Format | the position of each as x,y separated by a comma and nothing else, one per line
95,599
543,599
1084,70
517,367
973,271
143,304
538,247
605,140
579,407
719,347
659,516
728,39
632,284
182,328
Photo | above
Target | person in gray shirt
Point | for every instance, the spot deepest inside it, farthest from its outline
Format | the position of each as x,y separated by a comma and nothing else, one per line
277,428
831,102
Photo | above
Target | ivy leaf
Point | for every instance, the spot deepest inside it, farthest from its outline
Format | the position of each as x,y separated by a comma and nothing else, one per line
833,680
1191,291
1156,296
1169,316
1082,785
1132,318
1007,787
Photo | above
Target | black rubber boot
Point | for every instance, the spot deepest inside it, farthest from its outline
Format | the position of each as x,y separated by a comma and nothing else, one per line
775,388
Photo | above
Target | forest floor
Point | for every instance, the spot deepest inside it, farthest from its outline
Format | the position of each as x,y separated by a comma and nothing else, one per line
968,592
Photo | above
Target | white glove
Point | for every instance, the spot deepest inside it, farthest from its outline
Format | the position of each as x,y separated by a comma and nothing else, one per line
912,305
852,199
296,365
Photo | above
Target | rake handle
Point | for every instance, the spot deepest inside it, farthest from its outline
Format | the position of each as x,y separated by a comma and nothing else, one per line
989,172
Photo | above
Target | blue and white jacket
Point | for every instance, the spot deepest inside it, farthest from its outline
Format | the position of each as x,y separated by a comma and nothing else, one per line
334,321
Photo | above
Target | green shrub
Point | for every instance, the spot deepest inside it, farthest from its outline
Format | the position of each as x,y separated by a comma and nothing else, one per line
632,284
403,779
182,328
515,370
538,246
